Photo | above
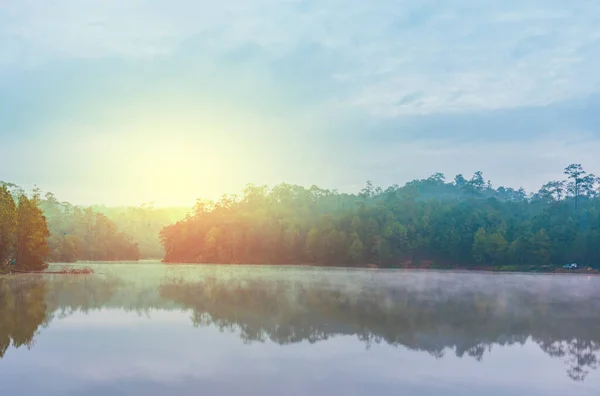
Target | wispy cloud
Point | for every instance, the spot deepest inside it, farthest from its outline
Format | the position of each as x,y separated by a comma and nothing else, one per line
331,92
390,58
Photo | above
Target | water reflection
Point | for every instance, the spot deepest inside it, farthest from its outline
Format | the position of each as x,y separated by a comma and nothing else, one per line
434,317
467,315
22,312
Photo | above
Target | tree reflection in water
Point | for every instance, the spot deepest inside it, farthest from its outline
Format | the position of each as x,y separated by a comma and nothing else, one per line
434,314
468,321
22,311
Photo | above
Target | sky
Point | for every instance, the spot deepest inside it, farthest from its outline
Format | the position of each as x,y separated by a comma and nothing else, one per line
131,101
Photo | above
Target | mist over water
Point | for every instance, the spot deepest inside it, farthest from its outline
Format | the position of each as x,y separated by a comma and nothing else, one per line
185,329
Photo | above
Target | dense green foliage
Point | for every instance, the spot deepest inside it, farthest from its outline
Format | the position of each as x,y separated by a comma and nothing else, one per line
23,230
82,234
426,222
464,222
97,233
8,223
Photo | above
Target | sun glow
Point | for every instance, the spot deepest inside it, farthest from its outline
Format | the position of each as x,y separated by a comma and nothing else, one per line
174,160
180,170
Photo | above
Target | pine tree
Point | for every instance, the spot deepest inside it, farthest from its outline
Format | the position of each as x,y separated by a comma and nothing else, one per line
8,223
32,234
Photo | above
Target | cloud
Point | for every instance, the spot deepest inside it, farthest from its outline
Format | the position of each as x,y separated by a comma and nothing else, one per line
326,92
390,59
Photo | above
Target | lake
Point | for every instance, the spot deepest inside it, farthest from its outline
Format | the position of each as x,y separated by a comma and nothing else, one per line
153,329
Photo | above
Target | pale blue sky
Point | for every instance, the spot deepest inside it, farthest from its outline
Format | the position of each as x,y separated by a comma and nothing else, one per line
132,100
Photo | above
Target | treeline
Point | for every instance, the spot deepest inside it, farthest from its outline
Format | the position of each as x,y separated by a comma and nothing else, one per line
101,233
81,234
431,221
143,223
71,233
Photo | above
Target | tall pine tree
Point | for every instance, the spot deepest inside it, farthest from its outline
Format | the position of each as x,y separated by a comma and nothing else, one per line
8,223
32,234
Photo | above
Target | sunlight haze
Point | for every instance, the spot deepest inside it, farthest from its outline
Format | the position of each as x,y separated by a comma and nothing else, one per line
300,197
145,101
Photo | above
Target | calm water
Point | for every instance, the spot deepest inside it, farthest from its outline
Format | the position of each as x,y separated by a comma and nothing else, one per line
149,329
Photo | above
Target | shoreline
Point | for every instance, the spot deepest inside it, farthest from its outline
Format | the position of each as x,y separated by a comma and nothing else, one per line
425,267
483,269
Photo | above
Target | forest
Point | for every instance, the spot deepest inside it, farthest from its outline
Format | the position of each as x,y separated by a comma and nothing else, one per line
36,229
430,222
